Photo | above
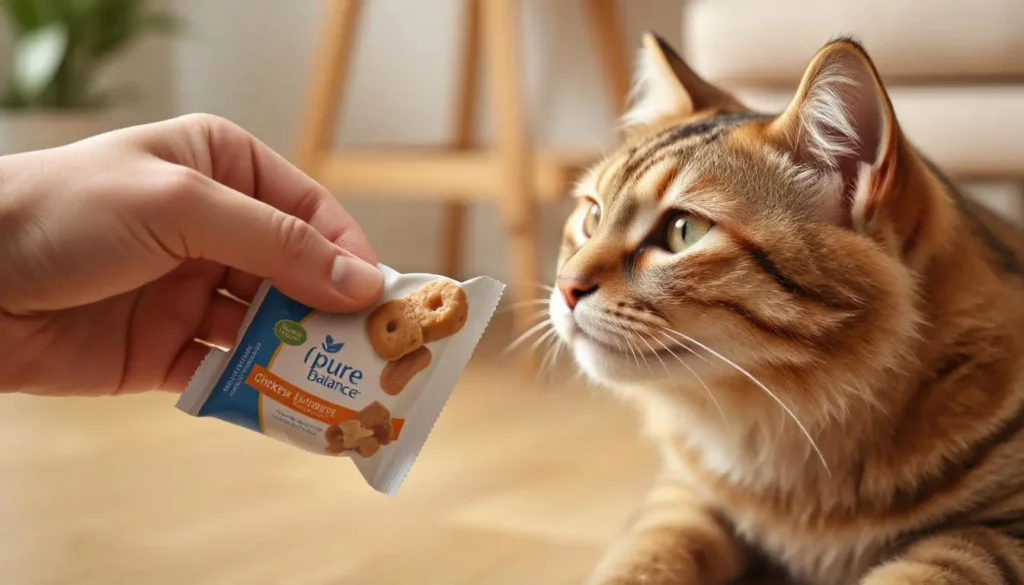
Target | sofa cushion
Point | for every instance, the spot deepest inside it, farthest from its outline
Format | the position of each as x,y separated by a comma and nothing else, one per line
908,39
970,132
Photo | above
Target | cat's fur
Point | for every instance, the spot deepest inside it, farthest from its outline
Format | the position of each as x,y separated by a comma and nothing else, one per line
845,274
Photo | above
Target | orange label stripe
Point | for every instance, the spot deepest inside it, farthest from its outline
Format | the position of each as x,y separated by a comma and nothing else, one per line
280,390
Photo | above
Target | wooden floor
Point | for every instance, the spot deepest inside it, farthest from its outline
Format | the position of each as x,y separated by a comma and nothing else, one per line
519,484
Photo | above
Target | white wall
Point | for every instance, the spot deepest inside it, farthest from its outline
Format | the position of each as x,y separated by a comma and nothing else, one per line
249,60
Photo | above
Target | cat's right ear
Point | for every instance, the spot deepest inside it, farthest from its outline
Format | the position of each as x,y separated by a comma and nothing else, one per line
665,88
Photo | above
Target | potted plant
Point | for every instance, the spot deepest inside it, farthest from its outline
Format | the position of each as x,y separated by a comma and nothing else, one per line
61,46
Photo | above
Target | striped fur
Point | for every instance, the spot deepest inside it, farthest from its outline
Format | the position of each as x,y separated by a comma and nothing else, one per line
834,373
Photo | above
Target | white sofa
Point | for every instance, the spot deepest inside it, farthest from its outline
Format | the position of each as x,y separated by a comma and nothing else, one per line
954,69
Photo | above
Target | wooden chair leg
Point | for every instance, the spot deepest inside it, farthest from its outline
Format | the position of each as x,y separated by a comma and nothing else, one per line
466,100
609,36
327,83
453,238
1016,214
516,197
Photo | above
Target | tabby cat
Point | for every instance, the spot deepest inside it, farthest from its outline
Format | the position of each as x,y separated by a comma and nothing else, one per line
825,339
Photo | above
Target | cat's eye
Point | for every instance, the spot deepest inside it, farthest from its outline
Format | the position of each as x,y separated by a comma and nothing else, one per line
592,219
684,230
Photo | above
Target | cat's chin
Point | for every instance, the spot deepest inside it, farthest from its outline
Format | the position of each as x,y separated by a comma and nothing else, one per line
602,365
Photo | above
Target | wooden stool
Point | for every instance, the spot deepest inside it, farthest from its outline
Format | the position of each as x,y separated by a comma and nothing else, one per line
508,172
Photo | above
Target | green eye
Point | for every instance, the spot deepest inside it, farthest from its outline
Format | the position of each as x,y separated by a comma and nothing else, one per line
592,219
684,230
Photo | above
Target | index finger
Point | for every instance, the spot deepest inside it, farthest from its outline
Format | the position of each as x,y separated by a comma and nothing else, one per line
235,158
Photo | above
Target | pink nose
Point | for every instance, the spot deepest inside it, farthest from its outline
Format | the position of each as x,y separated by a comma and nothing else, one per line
573,289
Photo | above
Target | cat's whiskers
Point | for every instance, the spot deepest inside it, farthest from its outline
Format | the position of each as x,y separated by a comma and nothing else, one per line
694,374
542,286
540,340
550,335
640,335
752,378
551,354
518,305
647,362
632,351
689,349
542,314
545,322
635,350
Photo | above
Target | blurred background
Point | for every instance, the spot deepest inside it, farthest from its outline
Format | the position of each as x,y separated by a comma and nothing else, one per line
525,479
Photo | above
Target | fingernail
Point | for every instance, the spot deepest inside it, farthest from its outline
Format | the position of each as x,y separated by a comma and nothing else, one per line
356,279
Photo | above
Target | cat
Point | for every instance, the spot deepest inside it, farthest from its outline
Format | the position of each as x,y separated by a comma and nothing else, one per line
824,338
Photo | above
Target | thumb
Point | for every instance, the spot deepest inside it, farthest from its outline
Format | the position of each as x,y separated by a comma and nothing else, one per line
244,233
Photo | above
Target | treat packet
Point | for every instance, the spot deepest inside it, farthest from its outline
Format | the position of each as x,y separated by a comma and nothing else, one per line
368,386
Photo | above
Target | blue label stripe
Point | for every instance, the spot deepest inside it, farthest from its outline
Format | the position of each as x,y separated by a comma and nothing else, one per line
232,400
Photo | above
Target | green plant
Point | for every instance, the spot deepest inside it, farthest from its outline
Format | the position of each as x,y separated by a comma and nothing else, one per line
61,46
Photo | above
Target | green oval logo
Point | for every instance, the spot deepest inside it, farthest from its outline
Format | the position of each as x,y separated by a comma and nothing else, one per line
290,332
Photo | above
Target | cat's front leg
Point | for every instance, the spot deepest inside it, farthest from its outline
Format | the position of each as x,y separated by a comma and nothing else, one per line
976,556
673,540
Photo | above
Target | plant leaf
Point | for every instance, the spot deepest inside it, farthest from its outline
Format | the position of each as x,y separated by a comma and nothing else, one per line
57,68
163,22
329,340
84,7
111,25
38,56
26,15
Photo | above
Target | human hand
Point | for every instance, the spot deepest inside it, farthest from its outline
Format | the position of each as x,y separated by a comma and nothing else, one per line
112,251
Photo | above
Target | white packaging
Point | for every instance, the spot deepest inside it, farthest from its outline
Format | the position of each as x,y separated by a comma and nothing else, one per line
317,380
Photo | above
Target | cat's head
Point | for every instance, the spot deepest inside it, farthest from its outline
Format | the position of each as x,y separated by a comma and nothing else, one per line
781,242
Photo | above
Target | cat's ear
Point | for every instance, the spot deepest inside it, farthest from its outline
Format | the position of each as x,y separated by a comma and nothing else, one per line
664,87
841,123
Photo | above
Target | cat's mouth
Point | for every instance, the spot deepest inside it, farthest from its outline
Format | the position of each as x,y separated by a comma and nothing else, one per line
632,345
605,341
587,337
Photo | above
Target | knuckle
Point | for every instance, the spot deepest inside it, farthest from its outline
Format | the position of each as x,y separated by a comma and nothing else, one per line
179,186
294,235
170,195
203,129
168,207
205,122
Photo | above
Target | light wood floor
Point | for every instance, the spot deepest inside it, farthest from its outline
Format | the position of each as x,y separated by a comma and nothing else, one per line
518,485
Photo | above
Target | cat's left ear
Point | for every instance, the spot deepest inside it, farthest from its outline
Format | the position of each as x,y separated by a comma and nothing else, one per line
665,88
842,124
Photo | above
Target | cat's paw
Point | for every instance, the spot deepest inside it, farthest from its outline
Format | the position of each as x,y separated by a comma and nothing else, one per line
634,563
653,575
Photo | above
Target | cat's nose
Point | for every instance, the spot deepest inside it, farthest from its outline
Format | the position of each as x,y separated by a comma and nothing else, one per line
573,289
